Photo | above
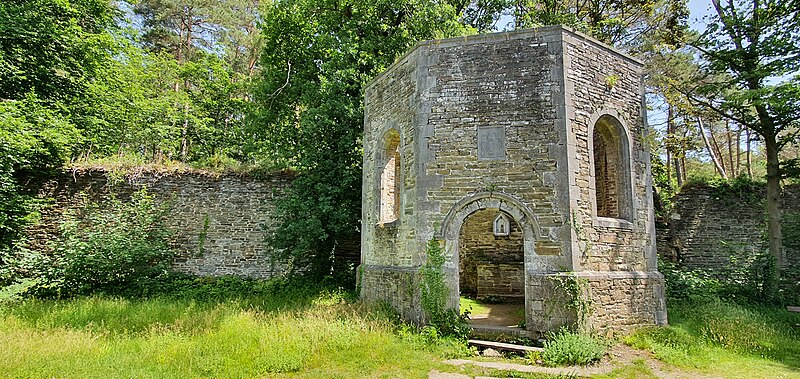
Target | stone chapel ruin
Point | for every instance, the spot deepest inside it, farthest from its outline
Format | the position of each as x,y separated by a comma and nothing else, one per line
522,153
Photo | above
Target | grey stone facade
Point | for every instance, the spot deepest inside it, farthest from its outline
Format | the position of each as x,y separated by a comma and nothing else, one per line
529,124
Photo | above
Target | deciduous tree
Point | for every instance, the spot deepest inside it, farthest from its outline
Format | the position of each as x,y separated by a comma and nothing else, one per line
753,49
319,56
618,22
50,51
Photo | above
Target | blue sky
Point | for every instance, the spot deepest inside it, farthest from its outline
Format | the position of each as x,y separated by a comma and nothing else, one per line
698,9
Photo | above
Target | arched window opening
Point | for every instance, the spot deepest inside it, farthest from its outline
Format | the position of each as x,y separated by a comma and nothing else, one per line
611,169
390,189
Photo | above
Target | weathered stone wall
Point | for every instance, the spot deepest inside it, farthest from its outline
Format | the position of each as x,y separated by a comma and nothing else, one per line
228,213
501,280
398,286
622,301
708,228
608,302
391,109
502,84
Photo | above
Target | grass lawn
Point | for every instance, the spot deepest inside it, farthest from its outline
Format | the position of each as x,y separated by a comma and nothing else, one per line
472,306
325,335
726,340
166,338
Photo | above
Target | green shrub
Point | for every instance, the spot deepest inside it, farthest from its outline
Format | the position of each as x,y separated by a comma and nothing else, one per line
451,324
750,279
114,249
691,285
34,141
732,192
572,348
747,279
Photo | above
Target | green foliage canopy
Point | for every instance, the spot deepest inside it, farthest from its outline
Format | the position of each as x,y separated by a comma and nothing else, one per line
111,248
629,23
50,50
320,55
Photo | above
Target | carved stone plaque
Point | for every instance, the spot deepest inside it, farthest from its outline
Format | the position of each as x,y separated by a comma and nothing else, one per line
491,143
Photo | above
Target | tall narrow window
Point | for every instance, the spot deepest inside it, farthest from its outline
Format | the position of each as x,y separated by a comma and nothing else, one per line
390,175
611,169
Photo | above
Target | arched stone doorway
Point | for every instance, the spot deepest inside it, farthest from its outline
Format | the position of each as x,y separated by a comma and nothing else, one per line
491,261
488,263
491,271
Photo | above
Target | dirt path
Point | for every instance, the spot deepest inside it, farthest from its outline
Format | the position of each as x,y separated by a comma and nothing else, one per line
508,315
620,356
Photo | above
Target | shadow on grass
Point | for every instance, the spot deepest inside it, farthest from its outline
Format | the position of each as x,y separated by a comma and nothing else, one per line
183,304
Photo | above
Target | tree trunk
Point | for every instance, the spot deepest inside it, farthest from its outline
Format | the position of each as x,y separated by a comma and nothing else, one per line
718,151
185,133
681,165
729,138
669,133
714,157
749,160
683,169
774,203
738,149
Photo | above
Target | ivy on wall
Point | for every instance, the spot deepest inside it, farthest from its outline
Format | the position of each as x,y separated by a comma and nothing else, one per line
434,294
577,298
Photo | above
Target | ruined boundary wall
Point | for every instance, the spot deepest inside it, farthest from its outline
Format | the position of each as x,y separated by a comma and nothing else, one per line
709,228
217,221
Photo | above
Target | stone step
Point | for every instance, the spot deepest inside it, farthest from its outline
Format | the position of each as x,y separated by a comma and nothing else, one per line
494,330
503,346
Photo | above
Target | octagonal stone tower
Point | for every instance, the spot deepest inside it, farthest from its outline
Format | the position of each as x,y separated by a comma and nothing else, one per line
523,154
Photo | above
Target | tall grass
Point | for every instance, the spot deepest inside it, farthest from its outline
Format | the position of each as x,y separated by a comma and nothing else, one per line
726,338
100,337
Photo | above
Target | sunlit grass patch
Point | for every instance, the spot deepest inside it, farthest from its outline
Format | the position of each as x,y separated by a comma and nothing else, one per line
165,338
726,339
473,306
120,316
637,370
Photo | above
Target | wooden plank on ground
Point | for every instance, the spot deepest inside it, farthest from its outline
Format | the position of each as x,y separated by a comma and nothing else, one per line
503,346
793,309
